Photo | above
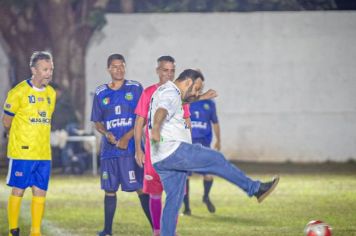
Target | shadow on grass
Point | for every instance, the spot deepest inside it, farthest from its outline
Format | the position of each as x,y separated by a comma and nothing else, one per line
297,168
214,218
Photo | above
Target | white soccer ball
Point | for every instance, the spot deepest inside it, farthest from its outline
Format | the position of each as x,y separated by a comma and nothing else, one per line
317,228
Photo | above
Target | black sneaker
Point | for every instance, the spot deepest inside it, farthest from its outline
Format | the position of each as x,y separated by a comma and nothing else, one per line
15,232
187,212
103,233
266,188
209,204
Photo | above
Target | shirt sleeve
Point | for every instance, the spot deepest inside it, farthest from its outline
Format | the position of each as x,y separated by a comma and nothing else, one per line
143,105
12,103
168,101
96,113
214,117
186,109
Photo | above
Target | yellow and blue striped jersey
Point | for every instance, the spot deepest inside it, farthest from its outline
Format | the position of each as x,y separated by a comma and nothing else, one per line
32,110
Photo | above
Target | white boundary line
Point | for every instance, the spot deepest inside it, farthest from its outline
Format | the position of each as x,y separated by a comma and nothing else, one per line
47,225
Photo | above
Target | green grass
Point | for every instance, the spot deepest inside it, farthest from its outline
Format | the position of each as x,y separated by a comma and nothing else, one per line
75,207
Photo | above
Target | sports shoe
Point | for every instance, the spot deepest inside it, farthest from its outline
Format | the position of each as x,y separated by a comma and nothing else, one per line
209,204
187,212
266,189
103,233
14,232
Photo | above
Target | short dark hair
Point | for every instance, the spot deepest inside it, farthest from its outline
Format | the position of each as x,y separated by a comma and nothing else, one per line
115,56
166,58
39,55
190,74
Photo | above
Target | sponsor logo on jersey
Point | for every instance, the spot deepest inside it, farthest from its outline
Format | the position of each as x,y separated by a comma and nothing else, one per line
206,106
105,175
18,174
129,96
106,101
42,113
149,177
118,123
40,99
40,120
199,125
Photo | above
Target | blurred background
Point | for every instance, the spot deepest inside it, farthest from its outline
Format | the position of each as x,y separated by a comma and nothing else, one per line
284,70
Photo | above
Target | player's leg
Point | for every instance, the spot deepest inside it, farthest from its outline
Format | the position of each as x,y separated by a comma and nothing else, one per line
155,211
208,182
110,184
13,210
37,210
39,181
145,204
197,158
187,211
131,179
18,177
173,184
153,186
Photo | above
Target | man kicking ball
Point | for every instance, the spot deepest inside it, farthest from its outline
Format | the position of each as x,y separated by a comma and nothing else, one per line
172,153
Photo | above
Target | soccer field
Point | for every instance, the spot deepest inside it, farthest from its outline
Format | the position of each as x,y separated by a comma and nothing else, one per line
75,207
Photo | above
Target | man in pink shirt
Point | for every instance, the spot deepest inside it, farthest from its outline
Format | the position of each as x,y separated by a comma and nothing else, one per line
152,184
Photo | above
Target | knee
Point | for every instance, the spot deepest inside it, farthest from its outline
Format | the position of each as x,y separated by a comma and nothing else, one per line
156,196
110,194
17,192
208,177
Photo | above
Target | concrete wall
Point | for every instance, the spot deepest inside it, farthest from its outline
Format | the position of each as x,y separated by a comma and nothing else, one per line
286,81
4,87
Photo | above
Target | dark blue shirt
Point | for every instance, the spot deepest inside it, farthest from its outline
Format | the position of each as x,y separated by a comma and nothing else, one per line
203,114
115,109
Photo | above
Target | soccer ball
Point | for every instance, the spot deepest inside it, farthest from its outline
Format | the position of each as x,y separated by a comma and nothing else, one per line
317,228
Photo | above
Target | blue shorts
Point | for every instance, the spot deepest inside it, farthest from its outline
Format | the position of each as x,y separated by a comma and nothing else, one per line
122,171
202,141
27,173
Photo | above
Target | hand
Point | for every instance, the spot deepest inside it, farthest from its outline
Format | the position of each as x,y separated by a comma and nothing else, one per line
111,138
122,143
140,157
217,146
155,135
208,95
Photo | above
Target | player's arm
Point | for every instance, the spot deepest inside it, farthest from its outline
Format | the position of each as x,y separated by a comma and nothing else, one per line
123,142
158,120
216,128
208,95
101,129
205,96
139,124
188,123
6,122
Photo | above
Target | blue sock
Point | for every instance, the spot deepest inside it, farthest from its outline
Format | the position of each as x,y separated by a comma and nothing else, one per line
207,187
109,209
186,196
145,204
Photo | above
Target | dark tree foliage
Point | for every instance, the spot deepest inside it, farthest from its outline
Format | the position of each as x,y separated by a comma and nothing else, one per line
223,5
62,27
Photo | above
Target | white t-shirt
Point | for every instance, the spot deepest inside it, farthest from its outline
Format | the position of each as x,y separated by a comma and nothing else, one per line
174,129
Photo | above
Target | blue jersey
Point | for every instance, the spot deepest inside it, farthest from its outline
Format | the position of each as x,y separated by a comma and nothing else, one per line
115,109
203,114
